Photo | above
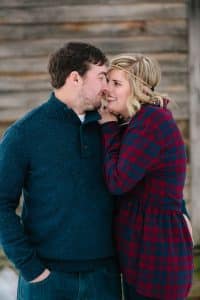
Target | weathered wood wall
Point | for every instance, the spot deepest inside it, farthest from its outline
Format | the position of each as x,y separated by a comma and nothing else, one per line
30,30
194,78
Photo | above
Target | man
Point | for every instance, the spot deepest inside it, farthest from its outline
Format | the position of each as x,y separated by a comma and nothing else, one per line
62,244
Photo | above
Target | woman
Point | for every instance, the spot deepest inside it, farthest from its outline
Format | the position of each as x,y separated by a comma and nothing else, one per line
145,166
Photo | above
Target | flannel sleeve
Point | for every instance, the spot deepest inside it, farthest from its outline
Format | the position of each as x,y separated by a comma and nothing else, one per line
13,166
127,160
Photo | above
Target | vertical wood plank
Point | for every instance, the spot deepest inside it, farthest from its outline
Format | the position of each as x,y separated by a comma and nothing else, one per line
194,69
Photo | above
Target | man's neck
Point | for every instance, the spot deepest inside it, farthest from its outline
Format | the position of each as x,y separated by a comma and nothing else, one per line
70,102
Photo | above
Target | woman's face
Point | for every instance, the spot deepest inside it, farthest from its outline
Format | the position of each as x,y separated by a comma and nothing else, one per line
118,92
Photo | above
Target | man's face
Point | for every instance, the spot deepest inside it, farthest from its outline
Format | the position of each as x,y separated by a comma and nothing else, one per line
94,84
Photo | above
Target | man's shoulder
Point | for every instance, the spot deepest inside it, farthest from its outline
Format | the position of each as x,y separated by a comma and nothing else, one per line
34,114
30,117
27,121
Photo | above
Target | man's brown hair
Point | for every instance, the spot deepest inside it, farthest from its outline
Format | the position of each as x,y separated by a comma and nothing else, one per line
74,56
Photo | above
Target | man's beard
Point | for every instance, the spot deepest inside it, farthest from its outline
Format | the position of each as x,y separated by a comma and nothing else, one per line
95,105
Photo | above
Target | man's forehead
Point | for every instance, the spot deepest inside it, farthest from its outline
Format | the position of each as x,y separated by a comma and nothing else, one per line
97,69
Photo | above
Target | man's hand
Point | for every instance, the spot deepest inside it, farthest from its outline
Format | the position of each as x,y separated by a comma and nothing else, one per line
41,277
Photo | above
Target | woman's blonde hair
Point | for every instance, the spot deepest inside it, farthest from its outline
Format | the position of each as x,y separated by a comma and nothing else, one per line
144,74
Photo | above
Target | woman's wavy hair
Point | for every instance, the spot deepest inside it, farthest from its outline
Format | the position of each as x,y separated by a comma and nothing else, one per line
144,74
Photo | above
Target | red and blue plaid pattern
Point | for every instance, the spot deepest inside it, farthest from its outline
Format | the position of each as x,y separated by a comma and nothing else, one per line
145,166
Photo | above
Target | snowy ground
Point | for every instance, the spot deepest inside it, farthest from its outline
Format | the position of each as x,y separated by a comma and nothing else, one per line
8,284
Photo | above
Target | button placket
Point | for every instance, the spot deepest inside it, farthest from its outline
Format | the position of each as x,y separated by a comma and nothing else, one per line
83,141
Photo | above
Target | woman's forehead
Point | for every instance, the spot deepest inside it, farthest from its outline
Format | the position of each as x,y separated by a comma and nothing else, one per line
118,74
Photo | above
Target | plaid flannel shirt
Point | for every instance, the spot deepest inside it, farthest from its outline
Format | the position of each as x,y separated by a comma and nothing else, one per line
145,166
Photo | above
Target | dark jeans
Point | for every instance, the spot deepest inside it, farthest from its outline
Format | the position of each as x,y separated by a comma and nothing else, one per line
103,283
131,294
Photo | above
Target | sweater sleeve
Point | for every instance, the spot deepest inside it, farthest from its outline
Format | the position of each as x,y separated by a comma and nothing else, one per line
13,169
127,160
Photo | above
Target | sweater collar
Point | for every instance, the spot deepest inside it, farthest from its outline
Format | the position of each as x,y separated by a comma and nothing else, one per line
59,109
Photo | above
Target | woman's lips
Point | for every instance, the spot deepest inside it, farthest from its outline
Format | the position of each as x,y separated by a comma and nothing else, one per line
111,99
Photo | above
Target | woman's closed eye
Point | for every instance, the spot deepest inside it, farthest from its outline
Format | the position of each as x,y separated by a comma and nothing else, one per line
116,83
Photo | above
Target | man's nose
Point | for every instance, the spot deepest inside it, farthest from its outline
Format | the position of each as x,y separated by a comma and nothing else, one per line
105,85
104,93
108,89
105,88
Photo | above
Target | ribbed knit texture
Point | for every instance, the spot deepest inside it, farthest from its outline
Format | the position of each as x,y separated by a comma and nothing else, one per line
67,213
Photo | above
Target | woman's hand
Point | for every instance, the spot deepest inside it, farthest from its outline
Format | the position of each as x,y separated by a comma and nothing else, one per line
106,116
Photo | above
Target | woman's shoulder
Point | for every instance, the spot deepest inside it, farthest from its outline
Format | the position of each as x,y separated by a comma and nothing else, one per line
154,114
154,120
156,110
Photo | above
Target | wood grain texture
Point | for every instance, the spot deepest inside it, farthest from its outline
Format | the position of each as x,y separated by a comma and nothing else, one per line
89,13
81,30
39,3
170,63
194,69
144,44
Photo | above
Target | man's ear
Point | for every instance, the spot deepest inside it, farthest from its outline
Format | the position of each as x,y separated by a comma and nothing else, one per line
74,77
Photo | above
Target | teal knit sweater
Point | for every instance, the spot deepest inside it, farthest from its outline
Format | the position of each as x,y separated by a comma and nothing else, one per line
56,161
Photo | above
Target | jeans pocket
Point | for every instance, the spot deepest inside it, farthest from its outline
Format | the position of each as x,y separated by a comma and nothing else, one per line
106,283
111,270
37,290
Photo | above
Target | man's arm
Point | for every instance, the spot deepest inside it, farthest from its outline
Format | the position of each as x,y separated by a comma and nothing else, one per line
13,170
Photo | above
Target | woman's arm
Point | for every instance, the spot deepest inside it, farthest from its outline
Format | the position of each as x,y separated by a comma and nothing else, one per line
126,161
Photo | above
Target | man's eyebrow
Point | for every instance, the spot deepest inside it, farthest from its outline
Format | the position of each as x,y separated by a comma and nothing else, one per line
103,73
